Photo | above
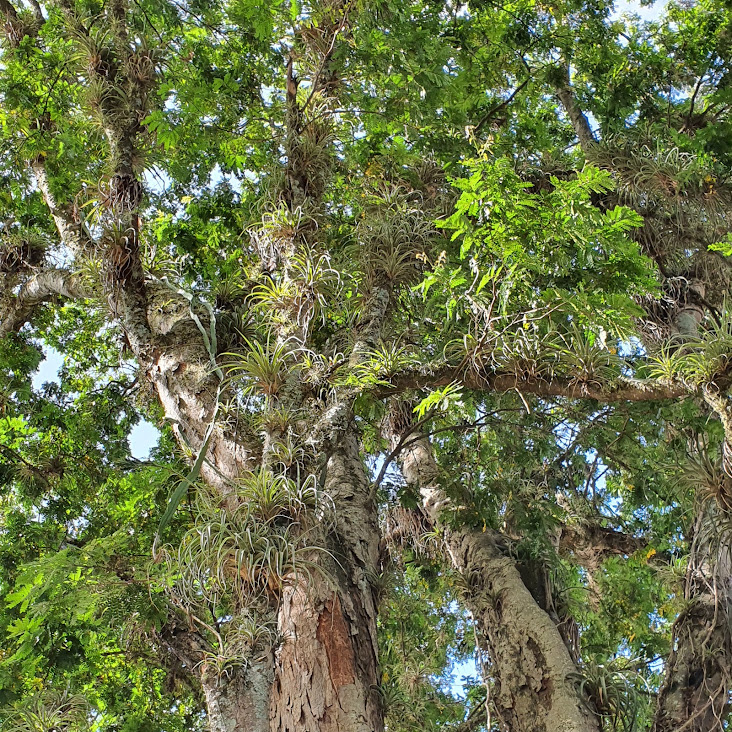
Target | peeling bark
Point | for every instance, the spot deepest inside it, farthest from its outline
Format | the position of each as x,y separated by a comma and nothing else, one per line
327,668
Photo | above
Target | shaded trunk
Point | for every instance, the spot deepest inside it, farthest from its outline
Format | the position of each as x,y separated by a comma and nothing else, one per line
237,699
327,668
694,696
530,661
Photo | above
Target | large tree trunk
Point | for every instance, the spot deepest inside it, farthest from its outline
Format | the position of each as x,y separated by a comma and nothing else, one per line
325,676
529,658
237,700
327,668
694,696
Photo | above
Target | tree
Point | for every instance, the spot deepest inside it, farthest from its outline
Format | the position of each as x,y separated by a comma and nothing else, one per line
429,302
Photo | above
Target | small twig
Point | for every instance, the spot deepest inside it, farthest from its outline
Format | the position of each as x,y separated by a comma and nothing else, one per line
500,107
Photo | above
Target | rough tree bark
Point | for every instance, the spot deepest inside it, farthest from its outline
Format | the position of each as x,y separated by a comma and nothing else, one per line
529,658
327,671
694,696
238,701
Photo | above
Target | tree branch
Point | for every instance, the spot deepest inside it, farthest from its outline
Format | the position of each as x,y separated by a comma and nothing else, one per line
598,541
620,390
581,126
73,234
38,289
488,116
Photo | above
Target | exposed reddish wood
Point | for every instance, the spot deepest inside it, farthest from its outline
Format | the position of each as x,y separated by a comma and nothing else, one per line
333,634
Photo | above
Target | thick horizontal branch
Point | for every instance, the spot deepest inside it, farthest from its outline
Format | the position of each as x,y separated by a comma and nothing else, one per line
40,288
617,390
599,542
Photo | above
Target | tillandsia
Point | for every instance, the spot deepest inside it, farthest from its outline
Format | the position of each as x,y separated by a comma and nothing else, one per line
365,366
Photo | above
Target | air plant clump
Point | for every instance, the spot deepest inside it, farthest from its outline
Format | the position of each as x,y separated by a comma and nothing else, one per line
234,327
141,66
122,194
275,238
430,177
381,363
120,248
525,354
94,52
310,153
711,483
17,27
709,480
20,252
286,451
242,558
407,528
248,636
297,297
46,711
613,691
394,231
229,291
263,370
120,77
317,282
648,175
276,419
677,193
319,369
239,560
584,359
676,311
113,202
697,360
474,354
252,632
